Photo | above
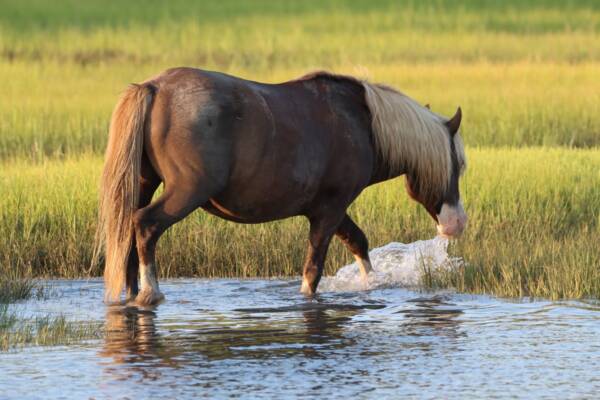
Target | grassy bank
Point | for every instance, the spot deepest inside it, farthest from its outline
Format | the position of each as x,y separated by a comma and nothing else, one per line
524,72
56,110
534,226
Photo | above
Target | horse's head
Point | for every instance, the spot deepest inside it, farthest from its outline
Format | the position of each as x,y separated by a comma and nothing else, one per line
444,205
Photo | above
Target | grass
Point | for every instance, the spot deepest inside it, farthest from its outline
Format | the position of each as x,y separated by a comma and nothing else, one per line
503,104
525,74
12,290
533,229
16,331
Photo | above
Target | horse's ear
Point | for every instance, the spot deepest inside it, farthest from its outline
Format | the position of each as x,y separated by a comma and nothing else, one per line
454,123
427,106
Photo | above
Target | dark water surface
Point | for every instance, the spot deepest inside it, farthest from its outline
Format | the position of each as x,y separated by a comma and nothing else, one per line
231,338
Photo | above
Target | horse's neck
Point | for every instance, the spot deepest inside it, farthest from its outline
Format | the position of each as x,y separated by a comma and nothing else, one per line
383,172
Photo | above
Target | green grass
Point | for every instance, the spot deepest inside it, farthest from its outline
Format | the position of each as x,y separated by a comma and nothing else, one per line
524,72
12,290
16,331
517,104
534,226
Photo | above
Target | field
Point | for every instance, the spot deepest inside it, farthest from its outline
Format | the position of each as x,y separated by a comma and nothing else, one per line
524,73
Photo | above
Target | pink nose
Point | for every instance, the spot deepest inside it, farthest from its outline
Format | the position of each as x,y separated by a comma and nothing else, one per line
454,227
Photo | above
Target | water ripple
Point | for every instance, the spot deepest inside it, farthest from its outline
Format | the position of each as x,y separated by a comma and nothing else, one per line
223,338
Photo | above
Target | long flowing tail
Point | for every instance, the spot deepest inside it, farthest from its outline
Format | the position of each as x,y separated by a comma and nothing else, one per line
119,188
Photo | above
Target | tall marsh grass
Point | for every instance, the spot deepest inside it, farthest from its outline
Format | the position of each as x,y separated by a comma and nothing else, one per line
534,226
48,115
524,72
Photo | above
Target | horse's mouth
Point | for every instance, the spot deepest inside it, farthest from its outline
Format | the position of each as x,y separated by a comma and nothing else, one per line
450,232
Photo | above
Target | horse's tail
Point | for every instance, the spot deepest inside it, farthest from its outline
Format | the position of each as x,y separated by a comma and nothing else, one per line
119,188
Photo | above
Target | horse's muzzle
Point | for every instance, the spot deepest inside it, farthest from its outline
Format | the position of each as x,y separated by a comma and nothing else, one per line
452,220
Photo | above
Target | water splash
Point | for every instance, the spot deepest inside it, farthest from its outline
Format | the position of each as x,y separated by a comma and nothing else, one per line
394,265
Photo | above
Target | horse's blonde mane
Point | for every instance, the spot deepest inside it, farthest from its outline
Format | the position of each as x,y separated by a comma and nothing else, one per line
412,139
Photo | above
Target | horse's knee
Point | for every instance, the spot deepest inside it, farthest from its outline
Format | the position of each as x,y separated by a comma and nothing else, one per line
358,243
354,238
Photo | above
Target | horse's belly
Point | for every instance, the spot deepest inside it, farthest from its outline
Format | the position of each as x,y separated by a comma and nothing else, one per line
274,190
249,214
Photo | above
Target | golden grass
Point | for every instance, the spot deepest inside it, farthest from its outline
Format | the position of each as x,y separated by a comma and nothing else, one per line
524,73
533,230
16,332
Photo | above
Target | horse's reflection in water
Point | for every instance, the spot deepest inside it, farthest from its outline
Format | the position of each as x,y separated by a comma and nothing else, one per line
129,332
312,330
434,324
131,338
133,349
308,329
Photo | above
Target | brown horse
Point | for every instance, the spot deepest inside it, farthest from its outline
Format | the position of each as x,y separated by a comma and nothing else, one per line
251,152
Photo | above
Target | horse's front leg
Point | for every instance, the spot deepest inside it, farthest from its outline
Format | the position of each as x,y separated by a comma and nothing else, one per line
356,241
321,232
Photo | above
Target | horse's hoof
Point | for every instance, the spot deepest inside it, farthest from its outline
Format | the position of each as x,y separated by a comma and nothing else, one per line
364,280
130,298
306,290
149,298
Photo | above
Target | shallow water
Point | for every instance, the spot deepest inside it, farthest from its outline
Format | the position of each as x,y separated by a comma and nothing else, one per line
261,338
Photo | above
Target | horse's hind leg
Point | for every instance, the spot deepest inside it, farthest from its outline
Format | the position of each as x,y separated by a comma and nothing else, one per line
149,182
356,241
176,202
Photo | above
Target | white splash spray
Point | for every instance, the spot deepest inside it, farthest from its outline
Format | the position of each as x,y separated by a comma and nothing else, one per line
395,264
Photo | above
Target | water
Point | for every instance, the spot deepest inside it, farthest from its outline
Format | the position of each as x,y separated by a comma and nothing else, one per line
394,265
263,339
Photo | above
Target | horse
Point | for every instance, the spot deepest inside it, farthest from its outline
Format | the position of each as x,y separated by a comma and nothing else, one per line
253,152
